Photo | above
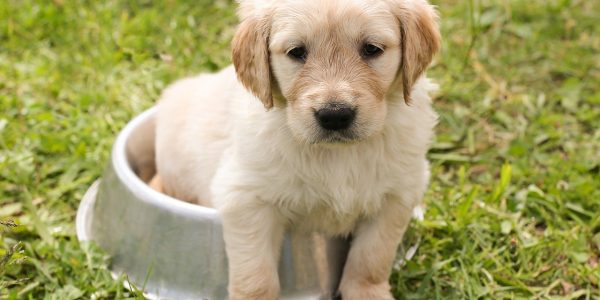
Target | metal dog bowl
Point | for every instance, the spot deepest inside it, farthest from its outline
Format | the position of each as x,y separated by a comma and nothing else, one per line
175,250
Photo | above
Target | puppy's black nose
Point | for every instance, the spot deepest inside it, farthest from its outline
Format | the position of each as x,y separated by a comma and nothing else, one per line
335,116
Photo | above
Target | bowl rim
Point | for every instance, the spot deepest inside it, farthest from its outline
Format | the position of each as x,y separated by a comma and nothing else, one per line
142,191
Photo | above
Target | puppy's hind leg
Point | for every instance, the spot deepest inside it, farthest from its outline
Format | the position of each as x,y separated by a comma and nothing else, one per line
156,184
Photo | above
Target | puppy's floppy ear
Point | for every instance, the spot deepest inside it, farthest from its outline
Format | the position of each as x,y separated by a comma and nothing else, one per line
420,39
250,52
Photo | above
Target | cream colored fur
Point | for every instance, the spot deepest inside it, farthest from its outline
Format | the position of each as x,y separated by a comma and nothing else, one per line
250,146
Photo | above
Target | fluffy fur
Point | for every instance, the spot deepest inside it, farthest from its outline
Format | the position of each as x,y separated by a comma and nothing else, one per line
250,145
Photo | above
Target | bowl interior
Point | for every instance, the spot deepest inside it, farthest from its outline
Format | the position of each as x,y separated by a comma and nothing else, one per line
133,159
139,149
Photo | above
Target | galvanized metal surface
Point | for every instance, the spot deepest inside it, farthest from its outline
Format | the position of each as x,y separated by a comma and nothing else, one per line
177,248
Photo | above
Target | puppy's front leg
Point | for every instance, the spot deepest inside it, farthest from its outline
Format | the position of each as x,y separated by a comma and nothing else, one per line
372,254
253,233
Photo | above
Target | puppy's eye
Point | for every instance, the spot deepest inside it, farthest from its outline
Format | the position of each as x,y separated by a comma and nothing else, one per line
371,51
298,53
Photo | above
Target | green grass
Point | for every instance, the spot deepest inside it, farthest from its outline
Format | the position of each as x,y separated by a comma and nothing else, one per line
514,204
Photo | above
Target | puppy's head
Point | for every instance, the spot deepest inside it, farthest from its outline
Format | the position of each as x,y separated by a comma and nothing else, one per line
331,64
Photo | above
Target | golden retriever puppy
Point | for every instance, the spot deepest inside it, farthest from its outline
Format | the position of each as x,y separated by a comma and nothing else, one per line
325,128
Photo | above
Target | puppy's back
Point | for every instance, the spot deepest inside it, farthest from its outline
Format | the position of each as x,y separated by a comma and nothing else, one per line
193,129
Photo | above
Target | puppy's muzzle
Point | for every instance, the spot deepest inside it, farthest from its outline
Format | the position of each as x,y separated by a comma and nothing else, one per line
335,116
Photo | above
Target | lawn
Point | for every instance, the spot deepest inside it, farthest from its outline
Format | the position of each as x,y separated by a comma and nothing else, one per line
513,210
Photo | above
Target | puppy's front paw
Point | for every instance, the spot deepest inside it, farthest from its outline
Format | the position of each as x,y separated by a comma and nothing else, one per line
256,287
361,291
258,294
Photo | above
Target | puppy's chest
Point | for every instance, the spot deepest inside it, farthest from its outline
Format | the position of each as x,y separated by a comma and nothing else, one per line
333,191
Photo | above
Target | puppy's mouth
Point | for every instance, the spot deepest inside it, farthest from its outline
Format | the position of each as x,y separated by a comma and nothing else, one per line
347,136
